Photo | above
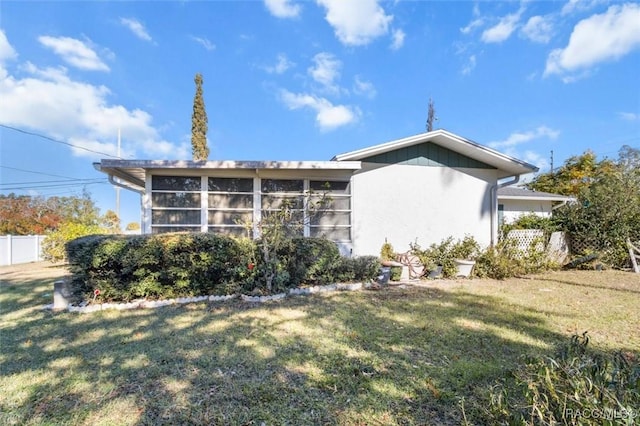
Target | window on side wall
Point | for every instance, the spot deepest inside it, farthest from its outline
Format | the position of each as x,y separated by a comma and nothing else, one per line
175,204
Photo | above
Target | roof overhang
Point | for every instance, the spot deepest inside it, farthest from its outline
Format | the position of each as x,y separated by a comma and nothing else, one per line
518,193
132,173
505,164
559,198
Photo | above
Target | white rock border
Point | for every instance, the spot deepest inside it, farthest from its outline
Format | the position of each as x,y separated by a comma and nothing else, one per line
152,304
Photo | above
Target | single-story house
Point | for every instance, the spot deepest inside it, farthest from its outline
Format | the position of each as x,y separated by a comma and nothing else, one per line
421,188
514,202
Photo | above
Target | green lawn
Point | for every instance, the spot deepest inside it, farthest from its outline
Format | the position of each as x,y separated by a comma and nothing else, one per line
413,355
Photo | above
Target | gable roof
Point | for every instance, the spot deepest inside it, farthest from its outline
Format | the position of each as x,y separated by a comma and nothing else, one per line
505,164
515,193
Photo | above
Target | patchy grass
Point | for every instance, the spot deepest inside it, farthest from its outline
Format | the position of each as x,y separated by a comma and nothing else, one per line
413,355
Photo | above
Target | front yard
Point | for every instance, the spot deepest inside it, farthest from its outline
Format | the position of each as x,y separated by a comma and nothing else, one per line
399,355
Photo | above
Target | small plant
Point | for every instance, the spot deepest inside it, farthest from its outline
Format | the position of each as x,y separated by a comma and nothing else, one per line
386,251
466,249
561,389
445,253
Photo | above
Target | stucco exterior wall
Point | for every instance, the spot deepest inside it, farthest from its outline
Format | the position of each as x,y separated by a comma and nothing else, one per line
406,203
513,209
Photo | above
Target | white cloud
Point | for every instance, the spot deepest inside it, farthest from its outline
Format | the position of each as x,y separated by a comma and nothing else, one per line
74,52
356,23
204,42
6,50
518,138
282,65
476,23
470,65
326,70
48,101
364,88
599,38
503,29
283,8
137,28
580,6
536,159
328,116
398,39
629,116
538,29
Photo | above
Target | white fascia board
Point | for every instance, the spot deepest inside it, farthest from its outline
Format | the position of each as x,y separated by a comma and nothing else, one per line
229,164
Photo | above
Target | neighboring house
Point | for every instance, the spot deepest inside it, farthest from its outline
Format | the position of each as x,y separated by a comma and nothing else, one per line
514,202
422,189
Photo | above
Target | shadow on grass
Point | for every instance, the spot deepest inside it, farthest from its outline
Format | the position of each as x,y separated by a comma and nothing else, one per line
394,356
609,287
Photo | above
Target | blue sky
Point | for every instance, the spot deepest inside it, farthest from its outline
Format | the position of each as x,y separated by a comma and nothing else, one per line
288,80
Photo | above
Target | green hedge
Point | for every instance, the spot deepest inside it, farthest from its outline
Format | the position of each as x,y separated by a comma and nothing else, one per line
124,268
155,266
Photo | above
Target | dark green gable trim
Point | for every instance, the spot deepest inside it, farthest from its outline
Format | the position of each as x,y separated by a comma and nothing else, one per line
427,154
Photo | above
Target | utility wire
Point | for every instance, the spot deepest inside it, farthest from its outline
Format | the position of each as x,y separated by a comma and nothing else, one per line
68,181
37,173
60,185
57,141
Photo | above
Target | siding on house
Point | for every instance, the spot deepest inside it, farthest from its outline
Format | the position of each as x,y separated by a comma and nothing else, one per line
427,154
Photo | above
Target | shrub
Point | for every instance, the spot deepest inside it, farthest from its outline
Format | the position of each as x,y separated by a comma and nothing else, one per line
309,261
506,260
356,269
530,221
53,246
555,390
154,266
387,252
445,253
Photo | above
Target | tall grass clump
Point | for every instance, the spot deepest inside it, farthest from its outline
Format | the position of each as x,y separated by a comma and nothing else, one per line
577,386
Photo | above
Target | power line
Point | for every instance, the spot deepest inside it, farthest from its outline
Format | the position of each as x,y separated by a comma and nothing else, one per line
57,141
70,181
60,185
37,173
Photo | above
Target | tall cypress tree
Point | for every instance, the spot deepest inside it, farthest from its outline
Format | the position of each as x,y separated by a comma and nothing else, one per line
199,124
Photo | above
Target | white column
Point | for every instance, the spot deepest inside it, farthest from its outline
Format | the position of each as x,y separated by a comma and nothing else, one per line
146,205
257,206
204,204
306,221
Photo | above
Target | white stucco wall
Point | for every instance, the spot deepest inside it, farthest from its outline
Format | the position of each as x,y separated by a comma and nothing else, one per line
405,204
513,209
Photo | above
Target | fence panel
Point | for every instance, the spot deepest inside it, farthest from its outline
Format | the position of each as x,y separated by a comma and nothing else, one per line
16,249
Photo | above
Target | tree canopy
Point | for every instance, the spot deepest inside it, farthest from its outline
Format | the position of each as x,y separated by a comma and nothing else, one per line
27,215
607,211
199,124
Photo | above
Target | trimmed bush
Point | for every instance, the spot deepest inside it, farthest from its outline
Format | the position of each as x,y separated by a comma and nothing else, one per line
156,266
124,268
356,269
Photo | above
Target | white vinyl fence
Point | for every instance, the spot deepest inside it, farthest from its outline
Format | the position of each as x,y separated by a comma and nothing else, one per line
20,249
